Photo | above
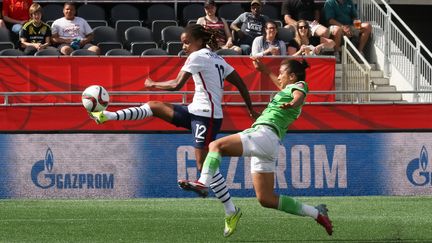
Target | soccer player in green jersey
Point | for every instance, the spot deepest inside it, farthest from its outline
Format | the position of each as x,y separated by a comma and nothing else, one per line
261,143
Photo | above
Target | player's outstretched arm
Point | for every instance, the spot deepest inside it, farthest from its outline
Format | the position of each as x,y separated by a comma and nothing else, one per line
170,85
260,66
237,81
296,102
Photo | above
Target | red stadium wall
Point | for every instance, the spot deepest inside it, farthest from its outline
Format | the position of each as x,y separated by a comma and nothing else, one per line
128,74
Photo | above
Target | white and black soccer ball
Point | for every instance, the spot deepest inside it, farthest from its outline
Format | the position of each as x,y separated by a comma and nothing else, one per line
95,98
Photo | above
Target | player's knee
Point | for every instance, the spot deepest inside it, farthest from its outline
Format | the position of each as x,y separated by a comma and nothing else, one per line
215,146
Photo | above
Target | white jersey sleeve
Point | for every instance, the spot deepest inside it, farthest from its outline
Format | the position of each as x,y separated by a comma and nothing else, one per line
209,71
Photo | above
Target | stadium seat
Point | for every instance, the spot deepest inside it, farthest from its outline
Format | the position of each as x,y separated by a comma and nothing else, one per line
158,26
122,25
192,12
11,52
226,52
230,11
105,38
123,11
154,52
91,12
52,11
271,11
139,39
118,52
171,33
174,47
48,52
159,11
285,34
83,52
5,39
96,23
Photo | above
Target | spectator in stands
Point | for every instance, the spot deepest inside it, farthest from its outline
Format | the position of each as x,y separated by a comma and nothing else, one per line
268,43
16,13
35,35
249,25
342,13
71,32
211,21
306,44
294,10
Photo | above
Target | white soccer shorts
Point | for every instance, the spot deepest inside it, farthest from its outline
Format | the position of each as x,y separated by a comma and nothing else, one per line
261,144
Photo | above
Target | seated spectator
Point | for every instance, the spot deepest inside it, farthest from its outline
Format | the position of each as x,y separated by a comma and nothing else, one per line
294,10
35,35
342,13
249,25
306,44
268,43
211,21
71,32
16,13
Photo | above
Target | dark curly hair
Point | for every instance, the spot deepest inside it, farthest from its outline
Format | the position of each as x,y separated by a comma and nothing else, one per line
208,36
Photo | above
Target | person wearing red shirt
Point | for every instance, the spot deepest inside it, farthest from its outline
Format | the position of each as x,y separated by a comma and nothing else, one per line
16,13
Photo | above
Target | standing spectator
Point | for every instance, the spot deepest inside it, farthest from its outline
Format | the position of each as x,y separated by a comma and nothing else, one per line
211,21
35,35
249,25
268,43
306,44
71,32
294,10
342,13
16,13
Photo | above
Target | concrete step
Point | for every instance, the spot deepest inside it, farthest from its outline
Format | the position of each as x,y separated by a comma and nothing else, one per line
373,66
376,81
374,73
386,97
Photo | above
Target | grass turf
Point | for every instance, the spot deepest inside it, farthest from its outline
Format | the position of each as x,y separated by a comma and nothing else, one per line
355,219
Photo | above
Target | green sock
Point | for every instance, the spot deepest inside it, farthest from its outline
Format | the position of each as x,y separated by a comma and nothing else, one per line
210,166
290,205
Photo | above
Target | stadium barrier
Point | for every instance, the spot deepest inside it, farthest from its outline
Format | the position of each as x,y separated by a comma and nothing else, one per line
148,165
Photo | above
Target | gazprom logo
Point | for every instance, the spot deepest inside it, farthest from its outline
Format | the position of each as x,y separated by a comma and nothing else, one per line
43,178
417,170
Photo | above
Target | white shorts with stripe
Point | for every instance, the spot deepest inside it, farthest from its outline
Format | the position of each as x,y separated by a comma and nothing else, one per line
261,144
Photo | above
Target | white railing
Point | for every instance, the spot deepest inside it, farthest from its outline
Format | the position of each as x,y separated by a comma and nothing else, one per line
184,97
401,47
355,75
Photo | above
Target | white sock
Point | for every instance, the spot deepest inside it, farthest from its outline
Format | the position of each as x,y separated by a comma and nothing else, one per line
219,187
309,211
131,113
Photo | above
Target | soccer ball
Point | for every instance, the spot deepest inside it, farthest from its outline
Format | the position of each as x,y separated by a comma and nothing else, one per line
95,98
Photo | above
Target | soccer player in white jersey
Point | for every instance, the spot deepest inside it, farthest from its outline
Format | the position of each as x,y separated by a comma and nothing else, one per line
204,115
261,142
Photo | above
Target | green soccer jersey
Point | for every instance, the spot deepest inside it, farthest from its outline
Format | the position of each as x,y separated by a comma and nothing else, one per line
279,118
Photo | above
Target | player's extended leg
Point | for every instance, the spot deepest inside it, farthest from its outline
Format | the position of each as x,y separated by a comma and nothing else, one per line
164,111
264,183
216,181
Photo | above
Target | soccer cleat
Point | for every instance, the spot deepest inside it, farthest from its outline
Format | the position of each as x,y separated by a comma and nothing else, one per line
194,186
323,218
231,222
98,116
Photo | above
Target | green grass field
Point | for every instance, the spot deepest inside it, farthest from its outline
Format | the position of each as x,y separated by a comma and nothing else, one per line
355,219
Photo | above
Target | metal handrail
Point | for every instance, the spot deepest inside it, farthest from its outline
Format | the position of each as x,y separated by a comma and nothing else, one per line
356,93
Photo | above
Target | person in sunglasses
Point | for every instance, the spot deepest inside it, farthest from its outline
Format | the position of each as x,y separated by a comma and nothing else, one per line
306,44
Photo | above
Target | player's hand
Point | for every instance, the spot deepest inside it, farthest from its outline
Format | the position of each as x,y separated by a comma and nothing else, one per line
148,83
286,105
259,65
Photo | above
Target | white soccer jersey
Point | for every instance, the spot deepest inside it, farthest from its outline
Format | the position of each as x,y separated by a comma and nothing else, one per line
208,71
